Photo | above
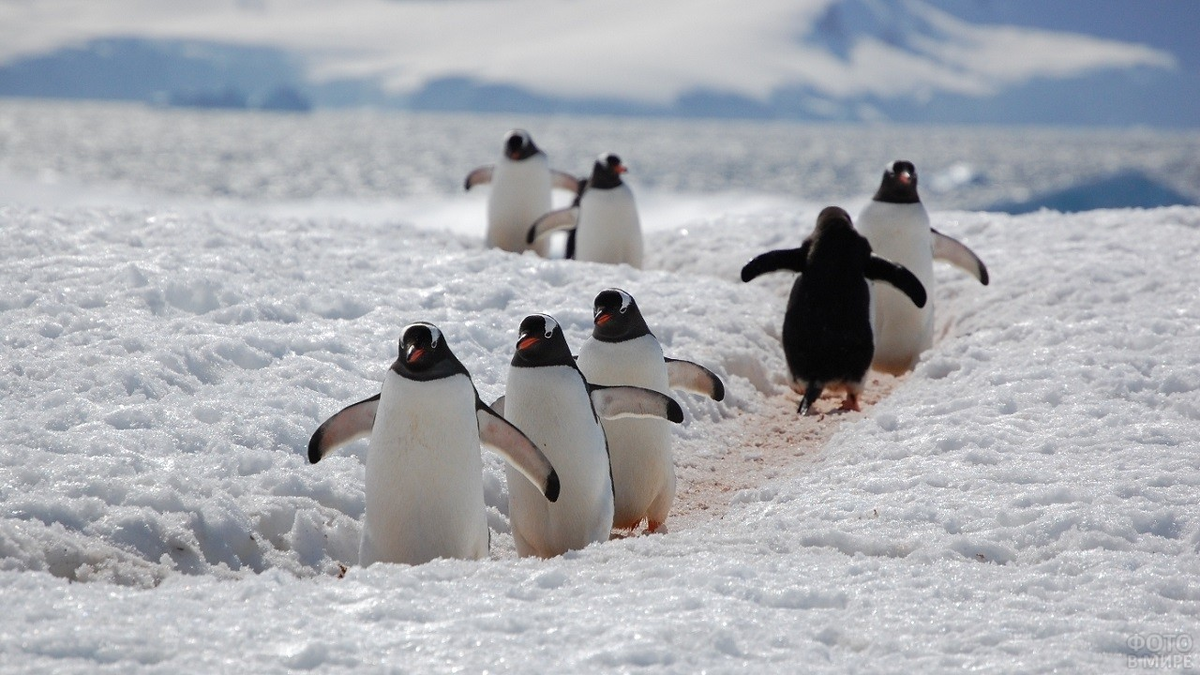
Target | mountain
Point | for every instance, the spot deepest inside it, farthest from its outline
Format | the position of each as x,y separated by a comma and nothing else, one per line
923,61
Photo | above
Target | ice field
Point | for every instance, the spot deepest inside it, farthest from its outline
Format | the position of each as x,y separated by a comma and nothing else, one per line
185,296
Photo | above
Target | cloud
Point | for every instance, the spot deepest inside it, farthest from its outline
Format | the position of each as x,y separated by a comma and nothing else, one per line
646,52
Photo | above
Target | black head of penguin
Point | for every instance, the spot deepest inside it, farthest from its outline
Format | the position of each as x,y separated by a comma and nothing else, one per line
617,317
518,145
899,184
836,249
606,172
541,343
425,356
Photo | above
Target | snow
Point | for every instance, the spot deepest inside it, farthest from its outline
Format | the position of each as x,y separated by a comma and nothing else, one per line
1024,501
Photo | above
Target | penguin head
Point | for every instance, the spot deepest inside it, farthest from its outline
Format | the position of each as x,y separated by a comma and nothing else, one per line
606,172
835,242
541,343
834,220
518,145
617,317
424,354
899,184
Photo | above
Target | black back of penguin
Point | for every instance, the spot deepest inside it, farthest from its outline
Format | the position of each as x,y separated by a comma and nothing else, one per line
826,329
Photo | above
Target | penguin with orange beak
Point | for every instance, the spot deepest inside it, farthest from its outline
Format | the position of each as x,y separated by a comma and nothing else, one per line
550,400
623,351
604,218
424,473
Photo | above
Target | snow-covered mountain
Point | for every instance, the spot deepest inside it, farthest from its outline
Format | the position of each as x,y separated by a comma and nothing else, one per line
899,60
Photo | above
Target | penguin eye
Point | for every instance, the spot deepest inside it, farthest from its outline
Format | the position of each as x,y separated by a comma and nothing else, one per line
624,308
549,333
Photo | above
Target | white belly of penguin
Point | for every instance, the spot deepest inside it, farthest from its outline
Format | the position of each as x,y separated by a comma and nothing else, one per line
640,448
609,230
424,474
520,195
553,408
900,233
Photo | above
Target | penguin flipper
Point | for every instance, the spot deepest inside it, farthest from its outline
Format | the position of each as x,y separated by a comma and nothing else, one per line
559,219
617,402
771,261
956,253
564,181
515,447
345,426
882,269
695,378
480,176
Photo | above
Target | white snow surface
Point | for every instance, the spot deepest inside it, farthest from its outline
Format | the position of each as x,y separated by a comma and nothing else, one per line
1025,501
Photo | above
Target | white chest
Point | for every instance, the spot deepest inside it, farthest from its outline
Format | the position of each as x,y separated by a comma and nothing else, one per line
609,229
424,485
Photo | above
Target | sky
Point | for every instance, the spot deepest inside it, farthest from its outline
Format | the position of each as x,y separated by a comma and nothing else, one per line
815,58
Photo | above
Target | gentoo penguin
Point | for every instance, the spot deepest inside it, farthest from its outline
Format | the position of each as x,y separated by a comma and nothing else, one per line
827,335
604,218
550,400
897,225
623,351
424,474
521,181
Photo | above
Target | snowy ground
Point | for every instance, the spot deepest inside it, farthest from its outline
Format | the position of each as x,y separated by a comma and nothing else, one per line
1026,500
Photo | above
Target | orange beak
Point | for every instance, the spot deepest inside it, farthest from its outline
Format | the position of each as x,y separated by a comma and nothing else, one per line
414,354
528,342
621,169
603,318
904,177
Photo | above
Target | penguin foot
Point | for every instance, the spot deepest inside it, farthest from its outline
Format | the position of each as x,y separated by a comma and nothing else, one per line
654,527
850,404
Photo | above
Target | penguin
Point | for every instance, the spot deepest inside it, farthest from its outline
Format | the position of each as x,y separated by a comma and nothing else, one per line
604,218
827,335
896,224
623,351
424,473
521,181
548,397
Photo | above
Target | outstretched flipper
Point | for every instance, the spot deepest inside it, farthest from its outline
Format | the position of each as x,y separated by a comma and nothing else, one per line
346,426
516,448
564,180
784,259
617,402
695,378
956,253
882,269
559,219
480,176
